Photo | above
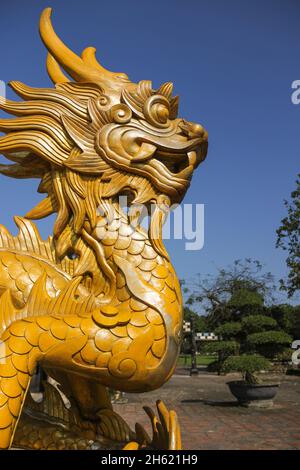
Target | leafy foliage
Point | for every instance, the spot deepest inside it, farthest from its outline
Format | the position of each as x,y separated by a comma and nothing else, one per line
247,365
244,296
199,320
288,318
245,324
228,330
270,344
258,323
269,337
288,238
200,325
244,339
226,347
239,289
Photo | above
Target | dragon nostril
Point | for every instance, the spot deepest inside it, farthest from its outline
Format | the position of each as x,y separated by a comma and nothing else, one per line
193,130
196,130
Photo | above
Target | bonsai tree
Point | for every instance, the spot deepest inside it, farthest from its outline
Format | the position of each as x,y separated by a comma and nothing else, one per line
247,365
223,349
269,343
264,336
236,302
248,345
226,345
241,288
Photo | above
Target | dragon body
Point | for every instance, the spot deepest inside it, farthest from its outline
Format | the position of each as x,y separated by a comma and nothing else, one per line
98,305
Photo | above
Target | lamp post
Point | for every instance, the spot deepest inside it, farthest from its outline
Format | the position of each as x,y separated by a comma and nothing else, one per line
193,369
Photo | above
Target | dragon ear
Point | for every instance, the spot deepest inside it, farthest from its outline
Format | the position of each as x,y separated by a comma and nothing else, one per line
166,90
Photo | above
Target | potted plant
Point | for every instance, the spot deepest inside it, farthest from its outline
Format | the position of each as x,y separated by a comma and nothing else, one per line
250,346
252,390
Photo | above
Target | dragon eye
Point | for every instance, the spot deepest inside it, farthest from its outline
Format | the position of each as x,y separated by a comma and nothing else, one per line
157,110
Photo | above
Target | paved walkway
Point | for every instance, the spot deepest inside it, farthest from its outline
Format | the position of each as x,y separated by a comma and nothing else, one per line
210,418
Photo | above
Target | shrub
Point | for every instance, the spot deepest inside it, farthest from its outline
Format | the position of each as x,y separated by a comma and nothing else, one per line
258,323
223,349
226,347
269,343
247,365
228,330
269,337
245,296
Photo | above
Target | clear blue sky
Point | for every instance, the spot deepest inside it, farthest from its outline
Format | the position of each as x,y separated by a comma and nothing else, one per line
232,63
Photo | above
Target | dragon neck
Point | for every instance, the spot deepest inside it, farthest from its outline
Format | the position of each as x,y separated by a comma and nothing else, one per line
121,262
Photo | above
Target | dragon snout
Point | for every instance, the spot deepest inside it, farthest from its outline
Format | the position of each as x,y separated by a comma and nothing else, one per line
193,130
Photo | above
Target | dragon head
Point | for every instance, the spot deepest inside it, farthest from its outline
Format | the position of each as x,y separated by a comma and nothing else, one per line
126,127
138,132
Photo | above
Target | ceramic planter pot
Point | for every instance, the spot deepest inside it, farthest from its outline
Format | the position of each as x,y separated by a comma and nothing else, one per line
260,395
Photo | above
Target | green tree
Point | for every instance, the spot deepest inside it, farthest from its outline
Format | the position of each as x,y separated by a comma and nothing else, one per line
269,343
288,238
287,317
200,324
240,289
242,344
229,330
258,324
200,320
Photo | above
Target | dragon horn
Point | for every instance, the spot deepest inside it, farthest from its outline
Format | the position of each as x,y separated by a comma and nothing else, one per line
89,58
86,69
54,70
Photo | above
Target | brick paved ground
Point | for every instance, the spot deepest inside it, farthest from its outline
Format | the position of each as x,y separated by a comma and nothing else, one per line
210,419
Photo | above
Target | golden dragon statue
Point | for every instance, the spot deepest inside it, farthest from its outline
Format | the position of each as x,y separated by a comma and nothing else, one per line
98,305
